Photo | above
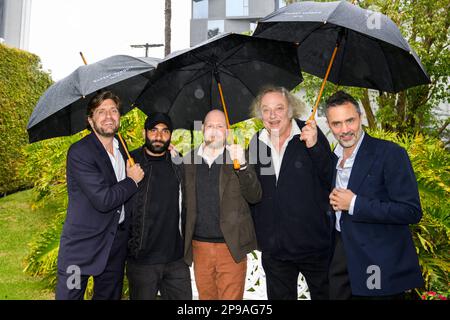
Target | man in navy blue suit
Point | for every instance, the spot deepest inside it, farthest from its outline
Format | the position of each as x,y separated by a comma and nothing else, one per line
374,200
99,184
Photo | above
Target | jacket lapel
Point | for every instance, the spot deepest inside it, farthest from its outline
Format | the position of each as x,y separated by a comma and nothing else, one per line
335,160
225,173
363,162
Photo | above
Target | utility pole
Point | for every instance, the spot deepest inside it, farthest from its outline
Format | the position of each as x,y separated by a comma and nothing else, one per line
146,46
167,28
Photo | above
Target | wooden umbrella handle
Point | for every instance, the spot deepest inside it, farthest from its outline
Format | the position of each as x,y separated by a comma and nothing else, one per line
236,164
82,58
330,64
126,150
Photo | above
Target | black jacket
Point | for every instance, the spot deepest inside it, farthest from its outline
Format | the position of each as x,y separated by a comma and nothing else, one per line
140,221
292,220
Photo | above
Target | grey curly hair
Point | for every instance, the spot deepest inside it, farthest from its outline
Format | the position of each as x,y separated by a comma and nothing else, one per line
296,106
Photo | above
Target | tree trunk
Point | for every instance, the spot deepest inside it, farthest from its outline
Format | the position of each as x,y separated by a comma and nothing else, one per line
167,29
401,110
368,109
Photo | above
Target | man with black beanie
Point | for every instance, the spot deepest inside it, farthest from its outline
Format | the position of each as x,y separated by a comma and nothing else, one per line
155,260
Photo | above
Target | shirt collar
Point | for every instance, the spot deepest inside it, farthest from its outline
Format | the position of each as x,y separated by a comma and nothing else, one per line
295,129
339,151
201,153
115,143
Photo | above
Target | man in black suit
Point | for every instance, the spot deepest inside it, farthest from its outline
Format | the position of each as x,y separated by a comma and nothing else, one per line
99,184
293,164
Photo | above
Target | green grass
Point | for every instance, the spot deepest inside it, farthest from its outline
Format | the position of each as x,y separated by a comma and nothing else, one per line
18,225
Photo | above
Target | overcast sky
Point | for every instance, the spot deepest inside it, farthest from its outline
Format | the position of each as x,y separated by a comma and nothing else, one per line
60,29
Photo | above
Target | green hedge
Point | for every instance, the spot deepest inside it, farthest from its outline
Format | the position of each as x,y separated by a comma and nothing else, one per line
22,82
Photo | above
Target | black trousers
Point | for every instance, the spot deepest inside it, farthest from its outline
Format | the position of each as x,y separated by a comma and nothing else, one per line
172,280
339,281
340,288
107,285
282,278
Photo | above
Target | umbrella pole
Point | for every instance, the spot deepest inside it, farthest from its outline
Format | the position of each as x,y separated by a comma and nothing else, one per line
313,114
118,133
236,164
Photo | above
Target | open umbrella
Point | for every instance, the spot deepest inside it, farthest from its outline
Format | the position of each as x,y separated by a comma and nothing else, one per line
61,110
186,83
225,72
346,45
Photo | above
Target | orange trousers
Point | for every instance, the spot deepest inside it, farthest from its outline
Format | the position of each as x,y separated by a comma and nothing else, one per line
217,275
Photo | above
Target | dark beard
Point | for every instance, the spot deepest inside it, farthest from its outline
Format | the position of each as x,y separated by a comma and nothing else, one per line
103,133
156,149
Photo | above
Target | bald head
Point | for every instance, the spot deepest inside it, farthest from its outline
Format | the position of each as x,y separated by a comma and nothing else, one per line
215,116
215,129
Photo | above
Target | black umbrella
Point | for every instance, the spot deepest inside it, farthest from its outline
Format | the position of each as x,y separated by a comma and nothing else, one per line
190,83
229,68
366,47
61,110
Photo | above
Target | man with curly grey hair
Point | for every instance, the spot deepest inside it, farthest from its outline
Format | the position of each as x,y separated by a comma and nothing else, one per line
293,163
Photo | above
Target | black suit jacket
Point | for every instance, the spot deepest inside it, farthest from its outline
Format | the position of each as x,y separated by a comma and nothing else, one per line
95,202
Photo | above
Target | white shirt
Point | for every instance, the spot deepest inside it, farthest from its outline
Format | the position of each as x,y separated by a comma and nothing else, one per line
209,160
118,165
343,175
277,158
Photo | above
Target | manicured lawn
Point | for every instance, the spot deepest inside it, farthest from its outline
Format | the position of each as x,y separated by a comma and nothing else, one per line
18,225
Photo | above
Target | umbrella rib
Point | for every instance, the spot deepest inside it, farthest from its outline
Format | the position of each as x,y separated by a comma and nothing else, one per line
343,50
388,66
235,50
205,58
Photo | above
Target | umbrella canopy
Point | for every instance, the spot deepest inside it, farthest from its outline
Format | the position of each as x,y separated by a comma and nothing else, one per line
372,52
186,83
61,110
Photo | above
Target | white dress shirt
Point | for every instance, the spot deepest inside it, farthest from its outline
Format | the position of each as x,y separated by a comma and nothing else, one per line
118,165
277,158
343,176
209,160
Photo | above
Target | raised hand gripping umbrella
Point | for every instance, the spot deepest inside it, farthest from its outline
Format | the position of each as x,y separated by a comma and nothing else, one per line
229,67
61,110
346,45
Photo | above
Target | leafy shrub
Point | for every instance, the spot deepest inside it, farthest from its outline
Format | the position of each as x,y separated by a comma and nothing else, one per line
431,163
429,159
22,82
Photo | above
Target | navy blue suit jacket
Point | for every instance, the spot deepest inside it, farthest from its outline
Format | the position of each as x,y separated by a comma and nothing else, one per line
378,233
95,201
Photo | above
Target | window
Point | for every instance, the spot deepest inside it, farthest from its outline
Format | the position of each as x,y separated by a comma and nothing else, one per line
237,8
215,27
199,9
280,3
